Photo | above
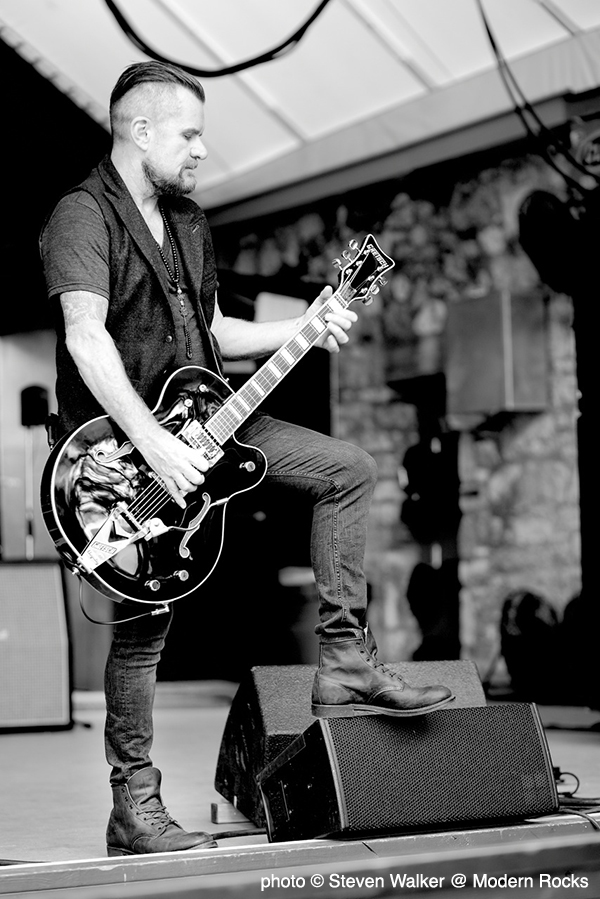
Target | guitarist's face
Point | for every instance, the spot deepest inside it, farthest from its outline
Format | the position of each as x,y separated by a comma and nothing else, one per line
175,146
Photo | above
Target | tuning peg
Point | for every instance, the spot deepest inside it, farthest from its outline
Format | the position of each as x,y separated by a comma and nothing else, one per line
337,263
346,254
353,244
383,281
367,300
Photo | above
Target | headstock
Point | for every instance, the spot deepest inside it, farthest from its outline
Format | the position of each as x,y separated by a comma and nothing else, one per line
363,274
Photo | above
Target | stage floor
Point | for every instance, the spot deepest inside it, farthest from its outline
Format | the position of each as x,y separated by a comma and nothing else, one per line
55,799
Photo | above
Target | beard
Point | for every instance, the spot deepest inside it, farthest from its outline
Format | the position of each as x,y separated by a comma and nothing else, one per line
175,186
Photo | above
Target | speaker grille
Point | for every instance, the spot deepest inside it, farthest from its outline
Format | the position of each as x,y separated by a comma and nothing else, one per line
34,649
453,766
272,707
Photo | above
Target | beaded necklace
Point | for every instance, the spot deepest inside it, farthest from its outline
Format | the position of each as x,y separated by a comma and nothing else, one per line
174,275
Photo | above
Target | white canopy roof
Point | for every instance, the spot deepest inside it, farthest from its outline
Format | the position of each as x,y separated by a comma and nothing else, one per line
368,78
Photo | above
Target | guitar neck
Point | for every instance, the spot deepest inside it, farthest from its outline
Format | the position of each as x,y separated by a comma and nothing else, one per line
223,424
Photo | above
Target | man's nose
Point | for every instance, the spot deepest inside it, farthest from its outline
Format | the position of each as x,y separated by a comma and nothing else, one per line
199,151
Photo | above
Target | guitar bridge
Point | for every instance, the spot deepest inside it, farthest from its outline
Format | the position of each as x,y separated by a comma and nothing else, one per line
120,529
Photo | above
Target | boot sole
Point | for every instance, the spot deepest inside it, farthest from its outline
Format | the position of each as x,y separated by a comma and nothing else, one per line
114,851
359,710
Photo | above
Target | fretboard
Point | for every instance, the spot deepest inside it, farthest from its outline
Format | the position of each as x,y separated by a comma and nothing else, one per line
223,424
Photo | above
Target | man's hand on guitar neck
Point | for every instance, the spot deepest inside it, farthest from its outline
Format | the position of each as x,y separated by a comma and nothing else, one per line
339,323
240,339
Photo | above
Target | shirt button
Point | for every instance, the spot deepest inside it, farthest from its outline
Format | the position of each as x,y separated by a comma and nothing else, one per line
169,339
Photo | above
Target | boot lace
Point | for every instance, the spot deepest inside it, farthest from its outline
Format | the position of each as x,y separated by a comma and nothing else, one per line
380,666
158,816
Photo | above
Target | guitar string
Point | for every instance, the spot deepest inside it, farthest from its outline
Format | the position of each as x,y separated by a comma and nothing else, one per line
150,493
142,504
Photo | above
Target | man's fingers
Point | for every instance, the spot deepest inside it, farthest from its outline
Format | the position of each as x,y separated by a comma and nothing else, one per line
199,461
177,494
195,478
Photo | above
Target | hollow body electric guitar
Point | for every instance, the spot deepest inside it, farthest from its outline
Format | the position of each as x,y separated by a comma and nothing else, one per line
111,517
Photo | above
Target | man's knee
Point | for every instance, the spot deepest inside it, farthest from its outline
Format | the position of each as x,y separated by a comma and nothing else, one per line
363,468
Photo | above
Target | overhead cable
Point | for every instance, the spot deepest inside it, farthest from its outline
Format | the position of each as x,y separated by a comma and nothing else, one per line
544,137
287,45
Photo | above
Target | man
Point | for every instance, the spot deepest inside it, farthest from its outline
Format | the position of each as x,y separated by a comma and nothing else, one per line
131,260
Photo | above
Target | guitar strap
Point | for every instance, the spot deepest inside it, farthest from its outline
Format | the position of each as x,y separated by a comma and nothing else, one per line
208,338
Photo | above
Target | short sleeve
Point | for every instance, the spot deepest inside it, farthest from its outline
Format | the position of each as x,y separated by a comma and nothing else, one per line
74,246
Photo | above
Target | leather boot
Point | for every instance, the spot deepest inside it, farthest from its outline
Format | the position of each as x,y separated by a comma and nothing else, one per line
370,642
139,823
350,681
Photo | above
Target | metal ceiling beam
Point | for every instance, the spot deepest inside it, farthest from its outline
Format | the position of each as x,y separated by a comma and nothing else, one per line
561,17
371,21
190,26
53,74
494,132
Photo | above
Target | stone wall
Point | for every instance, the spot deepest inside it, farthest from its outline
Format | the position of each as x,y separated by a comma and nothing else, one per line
520,503
520,525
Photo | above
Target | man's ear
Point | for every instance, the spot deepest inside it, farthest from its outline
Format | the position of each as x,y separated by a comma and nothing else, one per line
140,131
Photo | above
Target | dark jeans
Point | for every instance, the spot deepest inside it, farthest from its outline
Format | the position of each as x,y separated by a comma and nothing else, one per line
339,480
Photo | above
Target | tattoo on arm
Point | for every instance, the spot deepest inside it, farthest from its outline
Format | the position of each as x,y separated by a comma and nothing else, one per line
80,307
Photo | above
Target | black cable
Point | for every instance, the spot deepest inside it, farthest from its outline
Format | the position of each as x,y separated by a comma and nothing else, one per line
565,810
568,804
559,776
118,620
591,802
552,141
267,56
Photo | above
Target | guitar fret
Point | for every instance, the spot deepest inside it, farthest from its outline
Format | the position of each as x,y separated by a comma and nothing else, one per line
251,394
293,350
285,354
267,380
335,305
314,329
301,340
230,421
276,371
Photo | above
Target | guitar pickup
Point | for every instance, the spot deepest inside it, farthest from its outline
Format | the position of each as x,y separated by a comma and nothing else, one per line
195,436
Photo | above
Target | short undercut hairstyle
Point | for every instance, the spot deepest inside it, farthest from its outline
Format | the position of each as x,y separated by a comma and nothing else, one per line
162,74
